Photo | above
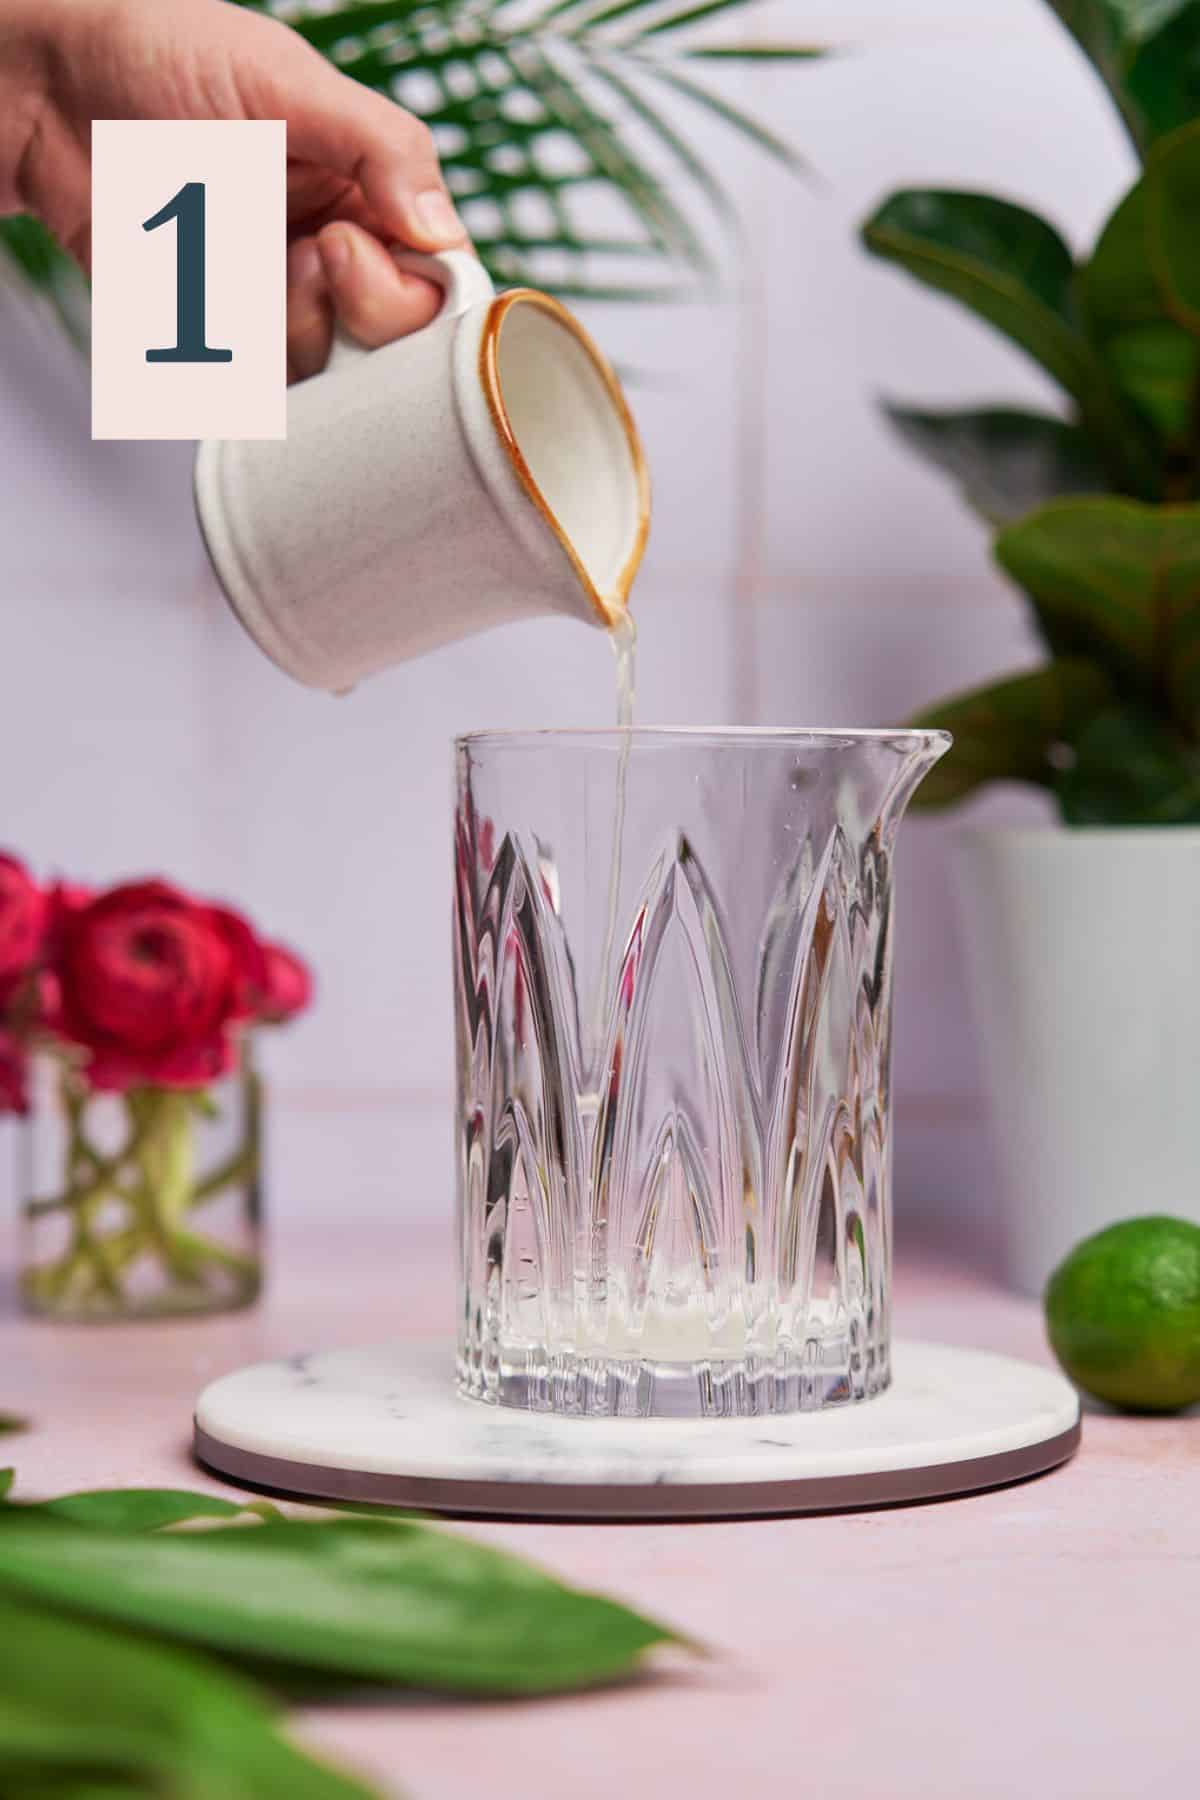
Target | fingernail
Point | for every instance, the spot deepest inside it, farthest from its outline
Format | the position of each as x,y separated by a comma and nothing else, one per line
436,216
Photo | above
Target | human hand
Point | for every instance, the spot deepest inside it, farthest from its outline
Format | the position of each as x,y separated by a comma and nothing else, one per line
362,172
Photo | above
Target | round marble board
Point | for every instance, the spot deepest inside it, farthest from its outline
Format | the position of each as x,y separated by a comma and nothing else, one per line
385,1424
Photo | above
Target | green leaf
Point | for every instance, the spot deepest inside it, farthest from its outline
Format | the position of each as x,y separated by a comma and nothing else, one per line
149,1509
736,116
1013,269
12,1422
1140,49
372,1599
569,110
7,1477
1119,583
1006,461
1011,730
1172,184
1128,21
31,249
1001,260
753,53
1157,366
690,15
651,118
515,81
99,1711
1163,78
1129,769
1154,360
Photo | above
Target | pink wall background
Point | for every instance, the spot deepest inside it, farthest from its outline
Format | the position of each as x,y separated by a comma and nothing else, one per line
823,575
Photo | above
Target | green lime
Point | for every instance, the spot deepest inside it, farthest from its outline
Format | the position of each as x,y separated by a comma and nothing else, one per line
1123,1314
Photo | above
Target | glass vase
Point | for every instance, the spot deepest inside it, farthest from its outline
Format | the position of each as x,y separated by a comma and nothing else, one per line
140,1204
673,956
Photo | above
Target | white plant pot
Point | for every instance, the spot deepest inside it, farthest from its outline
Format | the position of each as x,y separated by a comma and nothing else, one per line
1083,952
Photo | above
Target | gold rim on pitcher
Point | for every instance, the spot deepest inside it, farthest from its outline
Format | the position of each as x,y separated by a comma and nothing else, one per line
489,374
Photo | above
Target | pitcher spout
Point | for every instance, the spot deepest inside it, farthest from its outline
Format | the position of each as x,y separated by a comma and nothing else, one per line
918,752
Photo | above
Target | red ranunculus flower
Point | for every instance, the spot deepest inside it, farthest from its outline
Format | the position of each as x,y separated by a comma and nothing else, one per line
152,983
289,985
22,922
13,1095
253,978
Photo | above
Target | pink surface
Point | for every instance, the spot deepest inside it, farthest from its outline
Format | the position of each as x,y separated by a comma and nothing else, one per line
1039,1640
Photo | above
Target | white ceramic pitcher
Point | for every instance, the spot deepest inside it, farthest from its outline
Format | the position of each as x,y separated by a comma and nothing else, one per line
483,469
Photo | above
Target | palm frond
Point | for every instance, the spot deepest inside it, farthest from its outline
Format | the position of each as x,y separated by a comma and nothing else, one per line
691,15
752,53
551,118
673,142
511,86
725,110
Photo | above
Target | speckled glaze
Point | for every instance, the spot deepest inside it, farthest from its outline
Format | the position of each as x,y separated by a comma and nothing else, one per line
426,491
385,1423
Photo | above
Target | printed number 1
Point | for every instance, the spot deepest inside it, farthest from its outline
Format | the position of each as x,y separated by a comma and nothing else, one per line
187,209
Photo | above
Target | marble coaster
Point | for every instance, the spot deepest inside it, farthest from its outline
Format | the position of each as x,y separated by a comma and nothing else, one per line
385,1424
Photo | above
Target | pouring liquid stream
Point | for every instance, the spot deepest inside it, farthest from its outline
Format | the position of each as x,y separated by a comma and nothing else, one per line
623,638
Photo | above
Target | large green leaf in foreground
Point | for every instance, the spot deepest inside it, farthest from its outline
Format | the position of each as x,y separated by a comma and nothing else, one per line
120,1627
372,1599
86,1710
148,1509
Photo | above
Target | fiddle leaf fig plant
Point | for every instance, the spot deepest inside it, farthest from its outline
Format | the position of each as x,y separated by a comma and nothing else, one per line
1095,511
1145,52
549,118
